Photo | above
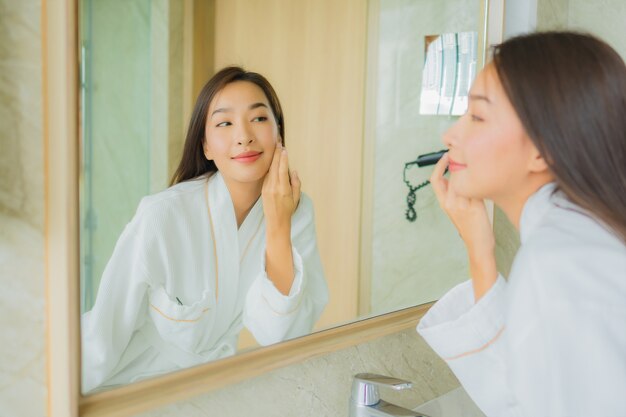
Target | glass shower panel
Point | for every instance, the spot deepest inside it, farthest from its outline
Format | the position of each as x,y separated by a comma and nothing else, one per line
116,128
412,262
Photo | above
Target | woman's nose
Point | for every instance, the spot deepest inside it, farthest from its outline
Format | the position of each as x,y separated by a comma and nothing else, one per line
245,140
451,135
245,135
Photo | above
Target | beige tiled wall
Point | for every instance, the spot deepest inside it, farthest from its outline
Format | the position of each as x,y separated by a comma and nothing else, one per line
604,18
21,155
22,358
22,351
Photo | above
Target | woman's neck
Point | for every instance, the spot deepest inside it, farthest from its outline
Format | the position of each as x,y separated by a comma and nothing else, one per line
513,204
244,196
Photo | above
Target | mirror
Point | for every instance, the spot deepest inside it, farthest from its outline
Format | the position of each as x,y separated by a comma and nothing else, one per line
349,78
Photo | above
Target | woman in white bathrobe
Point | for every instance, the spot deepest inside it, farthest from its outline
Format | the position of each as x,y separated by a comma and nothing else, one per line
545,139
230,244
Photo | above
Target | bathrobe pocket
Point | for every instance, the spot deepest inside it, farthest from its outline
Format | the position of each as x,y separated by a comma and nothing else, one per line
184,326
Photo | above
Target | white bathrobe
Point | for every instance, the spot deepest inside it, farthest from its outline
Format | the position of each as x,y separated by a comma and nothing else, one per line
183,281
550,342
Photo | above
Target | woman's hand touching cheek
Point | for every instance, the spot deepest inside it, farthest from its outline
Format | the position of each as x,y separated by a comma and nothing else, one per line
280,192
470,218
281,195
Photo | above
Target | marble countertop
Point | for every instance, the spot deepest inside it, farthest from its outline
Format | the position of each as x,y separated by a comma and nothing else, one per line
455,403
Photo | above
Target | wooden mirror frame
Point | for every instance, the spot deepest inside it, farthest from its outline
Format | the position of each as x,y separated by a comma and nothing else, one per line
59,23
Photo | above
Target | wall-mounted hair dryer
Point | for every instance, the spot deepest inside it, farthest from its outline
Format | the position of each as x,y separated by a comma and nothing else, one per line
429,158
421,161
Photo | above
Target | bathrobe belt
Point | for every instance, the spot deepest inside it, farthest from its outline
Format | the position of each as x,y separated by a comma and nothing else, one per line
181,357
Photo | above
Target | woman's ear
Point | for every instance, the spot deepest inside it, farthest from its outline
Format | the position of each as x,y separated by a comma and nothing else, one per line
537,162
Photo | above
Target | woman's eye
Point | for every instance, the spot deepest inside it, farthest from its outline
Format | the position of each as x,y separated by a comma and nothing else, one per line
259,119
475,118
223,124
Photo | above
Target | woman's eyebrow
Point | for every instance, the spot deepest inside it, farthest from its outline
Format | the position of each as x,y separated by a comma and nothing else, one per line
221,110
228,109
256,105
479,97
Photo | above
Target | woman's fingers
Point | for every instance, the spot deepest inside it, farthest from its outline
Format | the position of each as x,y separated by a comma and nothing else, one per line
281,194
283,171
438,182
295,187
449,201
273,172
278,180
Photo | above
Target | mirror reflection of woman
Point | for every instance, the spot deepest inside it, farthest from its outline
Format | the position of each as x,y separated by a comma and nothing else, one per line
230,244
545,139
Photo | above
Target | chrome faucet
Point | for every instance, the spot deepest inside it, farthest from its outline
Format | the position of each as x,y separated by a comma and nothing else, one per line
366,402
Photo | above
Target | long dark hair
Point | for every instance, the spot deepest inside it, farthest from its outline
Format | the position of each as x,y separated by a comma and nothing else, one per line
193,162
569,91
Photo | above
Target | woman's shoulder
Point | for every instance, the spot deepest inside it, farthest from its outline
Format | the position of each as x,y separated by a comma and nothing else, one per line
570,248
567,227
170,206
181,193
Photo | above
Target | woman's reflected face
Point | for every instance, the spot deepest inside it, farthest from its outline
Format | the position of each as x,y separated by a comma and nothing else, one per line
489,147
241,132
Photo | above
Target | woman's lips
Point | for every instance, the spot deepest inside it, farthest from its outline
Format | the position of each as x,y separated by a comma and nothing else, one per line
247,157
455,166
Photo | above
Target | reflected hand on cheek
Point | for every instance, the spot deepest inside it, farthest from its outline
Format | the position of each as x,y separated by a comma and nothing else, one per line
281,191
280,200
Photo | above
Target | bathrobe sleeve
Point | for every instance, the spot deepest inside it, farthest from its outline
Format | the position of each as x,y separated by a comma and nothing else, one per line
273,317
120,307
550,342
467,336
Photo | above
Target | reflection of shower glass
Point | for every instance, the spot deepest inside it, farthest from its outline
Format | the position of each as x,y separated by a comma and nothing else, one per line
116,127
449,69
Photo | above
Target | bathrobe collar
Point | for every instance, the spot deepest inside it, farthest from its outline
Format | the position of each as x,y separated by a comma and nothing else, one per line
537,205
228,238
547,197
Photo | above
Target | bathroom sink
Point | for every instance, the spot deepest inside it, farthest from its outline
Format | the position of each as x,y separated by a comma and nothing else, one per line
456,403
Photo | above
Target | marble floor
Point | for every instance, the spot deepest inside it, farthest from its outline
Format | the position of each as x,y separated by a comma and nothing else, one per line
22,304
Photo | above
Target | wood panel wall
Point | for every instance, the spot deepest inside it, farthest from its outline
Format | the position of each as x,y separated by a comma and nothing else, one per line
314,54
